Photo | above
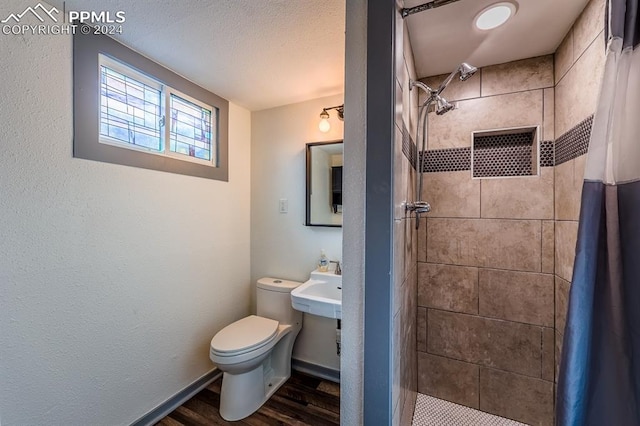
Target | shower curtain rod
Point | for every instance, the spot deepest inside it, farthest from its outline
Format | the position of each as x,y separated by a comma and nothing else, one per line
426,6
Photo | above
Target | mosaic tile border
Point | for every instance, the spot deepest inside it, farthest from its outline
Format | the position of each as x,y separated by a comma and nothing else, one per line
409,148
447,160
574,142
547,153
432,411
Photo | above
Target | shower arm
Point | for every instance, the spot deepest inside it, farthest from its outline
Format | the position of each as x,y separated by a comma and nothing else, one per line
421,85
446,82
433,94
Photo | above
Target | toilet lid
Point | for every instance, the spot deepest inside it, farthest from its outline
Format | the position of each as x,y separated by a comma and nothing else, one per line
244,335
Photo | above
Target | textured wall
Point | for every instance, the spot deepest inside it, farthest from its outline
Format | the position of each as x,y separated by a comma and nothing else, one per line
113,279
579,64
485,264
281,245
405,248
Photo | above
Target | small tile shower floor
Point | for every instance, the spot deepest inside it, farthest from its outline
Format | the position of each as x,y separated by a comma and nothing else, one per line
432,411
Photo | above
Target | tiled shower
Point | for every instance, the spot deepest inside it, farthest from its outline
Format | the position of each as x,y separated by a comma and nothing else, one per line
483,283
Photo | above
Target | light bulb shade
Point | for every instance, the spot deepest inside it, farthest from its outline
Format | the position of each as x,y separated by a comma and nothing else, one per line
495,15
324,125
324,114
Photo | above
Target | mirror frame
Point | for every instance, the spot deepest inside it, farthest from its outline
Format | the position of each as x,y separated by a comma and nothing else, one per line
310,145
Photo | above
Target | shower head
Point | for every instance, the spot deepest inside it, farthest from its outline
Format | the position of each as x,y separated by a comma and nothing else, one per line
466,71
443,106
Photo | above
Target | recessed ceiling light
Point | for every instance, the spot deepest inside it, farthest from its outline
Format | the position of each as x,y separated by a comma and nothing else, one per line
495,15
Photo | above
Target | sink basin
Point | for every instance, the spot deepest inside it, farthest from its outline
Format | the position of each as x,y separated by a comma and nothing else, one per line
321,295
328,277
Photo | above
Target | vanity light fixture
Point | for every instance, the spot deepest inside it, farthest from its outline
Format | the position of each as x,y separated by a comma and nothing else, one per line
494,15
324,125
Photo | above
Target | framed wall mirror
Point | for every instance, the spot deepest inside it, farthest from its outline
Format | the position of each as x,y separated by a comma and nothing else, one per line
324,184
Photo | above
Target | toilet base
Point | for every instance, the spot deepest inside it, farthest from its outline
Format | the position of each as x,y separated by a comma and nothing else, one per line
240,397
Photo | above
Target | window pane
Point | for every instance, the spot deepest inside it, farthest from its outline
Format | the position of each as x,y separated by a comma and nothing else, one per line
190,132
129,110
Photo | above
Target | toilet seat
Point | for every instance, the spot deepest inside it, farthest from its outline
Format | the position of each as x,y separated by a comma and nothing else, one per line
245,335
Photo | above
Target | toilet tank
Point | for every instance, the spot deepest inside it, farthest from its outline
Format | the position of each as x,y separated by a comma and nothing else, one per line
274,300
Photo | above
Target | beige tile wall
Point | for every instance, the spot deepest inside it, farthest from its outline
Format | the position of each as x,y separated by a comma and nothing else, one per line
579,63
486,259
453,130
524,398
405,247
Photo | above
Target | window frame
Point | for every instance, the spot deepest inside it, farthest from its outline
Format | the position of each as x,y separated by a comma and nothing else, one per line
87,51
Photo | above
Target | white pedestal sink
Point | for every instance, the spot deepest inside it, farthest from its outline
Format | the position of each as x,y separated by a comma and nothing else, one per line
321,295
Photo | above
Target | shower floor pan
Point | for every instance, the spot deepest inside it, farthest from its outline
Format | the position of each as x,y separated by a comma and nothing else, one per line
432,411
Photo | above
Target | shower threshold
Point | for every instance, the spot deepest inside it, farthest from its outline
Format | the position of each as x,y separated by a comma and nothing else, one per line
432,411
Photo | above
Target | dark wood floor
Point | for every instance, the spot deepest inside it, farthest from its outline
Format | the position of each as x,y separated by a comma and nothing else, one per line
302,400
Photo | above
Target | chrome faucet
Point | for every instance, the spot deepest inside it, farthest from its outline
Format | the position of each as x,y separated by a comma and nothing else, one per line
338,270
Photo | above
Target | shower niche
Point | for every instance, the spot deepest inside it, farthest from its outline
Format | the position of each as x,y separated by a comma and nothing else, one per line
513,152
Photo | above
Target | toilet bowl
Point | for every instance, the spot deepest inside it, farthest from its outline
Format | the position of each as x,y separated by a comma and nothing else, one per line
254,353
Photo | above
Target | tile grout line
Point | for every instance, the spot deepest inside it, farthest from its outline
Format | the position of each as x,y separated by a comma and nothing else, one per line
486,317
479,384
542,241
542,354
574,61
493,268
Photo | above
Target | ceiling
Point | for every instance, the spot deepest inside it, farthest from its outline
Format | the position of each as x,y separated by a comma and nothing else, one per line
258,54
266,53
444,37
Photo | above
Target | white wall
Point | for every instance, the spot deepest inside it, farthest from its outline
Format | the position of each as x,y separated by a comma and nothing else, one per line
113,279
281,246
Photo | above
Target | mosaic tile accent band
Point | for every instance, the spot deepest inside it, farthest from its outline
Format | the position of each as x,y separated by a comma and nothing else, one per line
570,145
447,160
409,148
507,154
432,411
546,153
575,142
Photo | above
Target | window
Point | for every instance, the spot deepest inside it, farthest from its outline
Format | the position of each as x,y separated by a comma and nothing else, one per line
129,110
130,107
190,130
133,114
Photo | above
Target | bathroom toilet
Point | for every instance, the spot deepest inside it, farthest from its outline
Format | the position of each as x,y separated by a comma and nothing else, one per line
254,353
